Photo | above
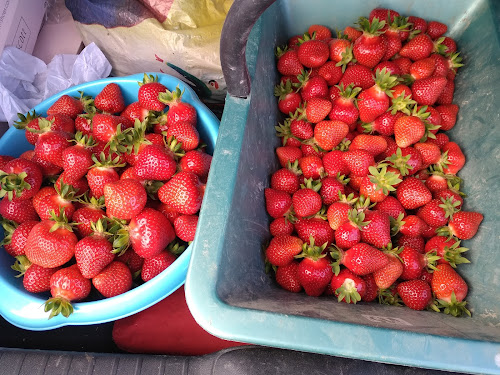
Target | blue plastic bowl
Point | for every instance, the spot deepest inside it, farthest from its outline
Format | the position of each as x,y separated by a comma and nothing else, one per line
24,309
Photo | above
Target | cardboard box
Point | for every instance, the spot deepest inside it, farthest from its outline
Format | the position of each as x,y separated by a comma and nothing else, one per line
20,22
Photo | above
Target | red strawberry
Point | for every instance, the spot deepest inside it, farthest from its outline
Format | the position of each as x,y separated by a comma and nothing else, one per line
437,212
351,33
436,29
358,162
110,99
88,214
416,294
185,227
387,275
359,76
463,225
414,262
311,167
124,198
390,206
415,242
374,144
413,225
20,179
340,53
320,32
344,107
329,134
283,249
134,111
148,93
313,53
334,164
50,146
448,249
36,279
315,229
197,162
348,234
378,230
93,253
61,199
183,192
185,133
287,277
15,242
155,163
133,261
453,158
348,287
426,91
412,193
370,47
77,159
50,244
450,289
289,63
105,127
178,111
67,105
155,265
408,130
18,212
383,124
338,214
285,180
371,289
361,259
317,109
312,87
113,280
430,152
446,96
66,285
330,189
403,63
374,101
454,195
418,23
281,226
418,48
306,201
278,203
83,124
287,154
301,129
448,114
288,99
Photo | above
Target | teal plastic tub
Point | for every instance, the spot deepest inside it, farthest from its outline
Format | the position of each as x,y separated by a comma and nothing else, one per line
227,289
24,309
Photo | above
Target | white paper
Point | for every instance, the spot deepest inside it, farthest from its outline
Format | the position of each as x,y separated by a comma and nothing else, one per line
26,80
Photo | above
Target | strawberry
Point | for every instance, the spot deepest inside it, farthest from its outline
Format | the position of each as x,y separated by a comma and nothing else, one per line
184,133
50,146
329,134
155,265
426,91
124,198
66,285
359,76
383,124
361,259
20,179
133,261
348,234
449,44
374,144
453,159
197,162
51,243
110,99
107,128
348,287
15,236
285,180
338,213
340,53
463,225
351,33
178,111
183,192
93,253
314,271
61,199
403,63
416,294
68,105
418,23
453,194
307,201
411,225
101,173
415,242
418,48
287,277
315,229
390,206
450,289
148,93
414,262
344,107
313,53
430,152
435,29
389,66
281,226
370,47
448,114
288,99
36,279
113,280
387,275
378,184
311,167
422,68
408,130
320,32
446,96
289,63
374,101
155,163
448,249
90,213
316,109
301,129
278,203
412,193
83,124
77,159
334,165
283,249
134,111
358,162
312,87
437,212
331,189
377,231
18,212
185,227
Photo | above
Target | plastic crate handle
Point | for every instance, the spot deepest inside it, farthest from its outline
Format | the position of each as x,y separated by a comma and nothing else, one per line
239,22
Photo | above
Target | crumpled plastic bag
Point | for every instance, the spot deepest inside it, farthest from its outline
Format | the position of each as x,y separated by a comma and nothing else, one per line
25,80
176,37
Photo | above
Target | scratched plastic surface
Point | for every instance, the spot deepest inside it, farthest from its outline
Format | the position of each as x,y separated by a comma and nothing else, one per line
24,309
227,289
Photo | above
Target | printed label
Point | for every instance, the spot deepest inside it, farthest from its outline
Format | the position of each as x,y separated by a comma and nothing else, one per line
387,320
22,35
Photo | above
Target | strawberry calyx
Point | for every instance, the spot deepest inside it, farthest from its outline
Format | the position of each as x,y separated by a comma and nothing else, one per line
389,297
398,161
66,192
347,57
175,147
363,203
87,102
431,259
280,50
13,183
343,179
106,161
9,227
454,307
382,179
283,130
357,218
349,199
60,221
148,78
21,264
348,291
152,187
171,97
373,28
309,183
454,60
442,163
394,251
306,37
97,203
100,228
25,119
120,236
294,167
452,254
58,305
137,137
398,23
303,78
337,254
385,81
176,248
439,47
84,140
44,126
396,223
450,206
283,89
401,103
312,251
120,141
350,92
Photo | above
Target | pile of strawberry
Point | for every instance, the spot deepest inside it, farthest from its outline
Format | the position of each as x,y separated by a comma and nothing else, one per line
109,196
367,203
